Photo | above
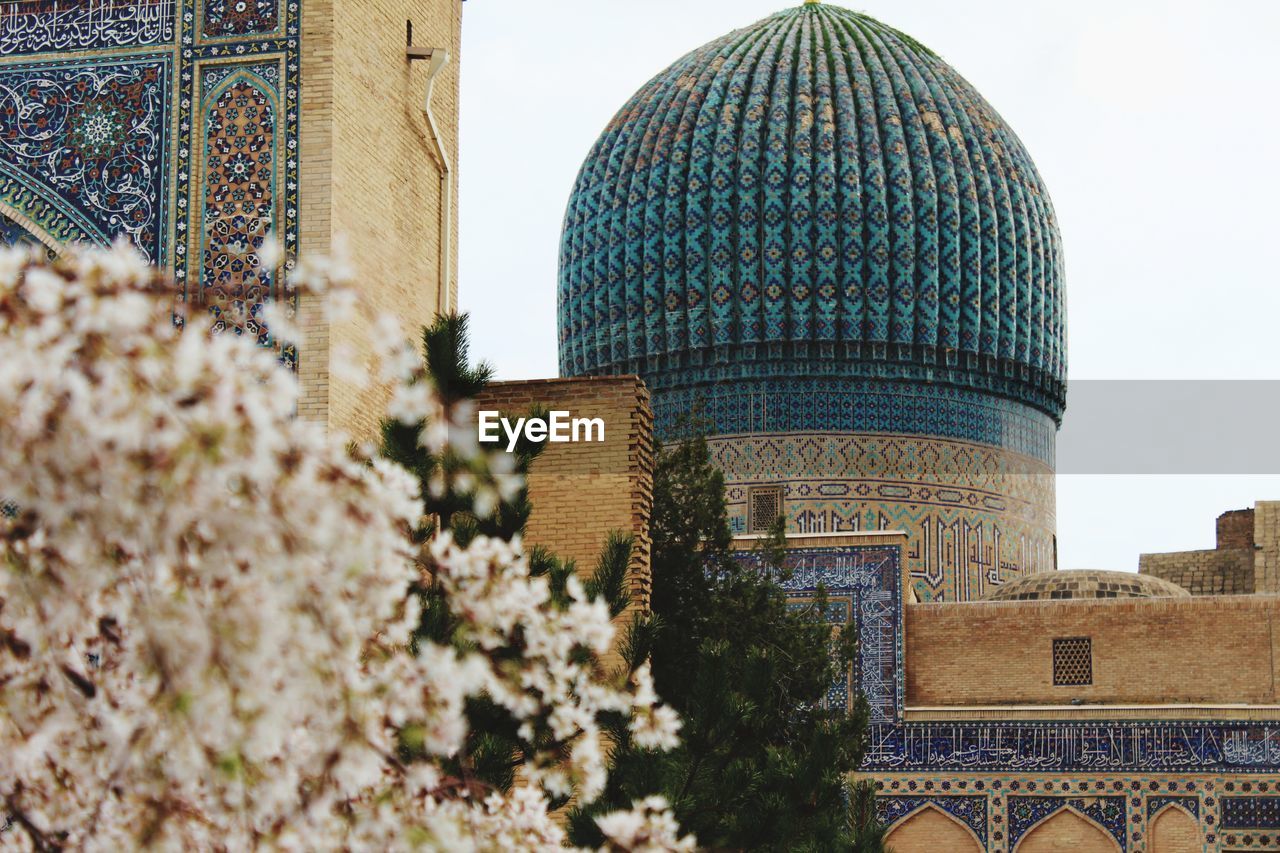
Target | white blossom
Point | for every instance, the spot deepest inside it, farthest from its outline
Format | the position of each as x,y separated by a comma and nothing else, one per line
205,606
649,826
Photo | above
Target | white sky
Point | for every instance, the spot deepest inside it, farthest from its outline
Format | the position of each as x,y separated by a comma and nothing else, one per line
1153,122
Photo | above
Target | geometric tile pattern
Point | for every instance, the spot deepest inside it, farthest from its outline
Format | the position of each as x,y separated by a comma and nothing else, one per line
173,123
223,18
239,196
1118,803
975,516
808,404
813,195
1251,812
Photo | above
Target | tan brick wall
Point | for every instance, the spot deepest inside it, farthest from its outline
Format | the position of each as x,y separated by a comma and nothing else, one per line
369,177
1221,572
583,491
1266,533
315,199
1145,651
1174,831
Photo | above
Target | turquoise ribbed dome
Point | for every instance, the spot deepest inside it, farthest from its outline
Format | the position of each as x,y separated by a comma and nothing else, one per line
816,195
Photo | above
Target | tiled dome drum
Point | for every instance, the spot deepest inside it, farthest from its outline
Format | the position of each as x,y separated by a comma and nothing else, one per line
814,195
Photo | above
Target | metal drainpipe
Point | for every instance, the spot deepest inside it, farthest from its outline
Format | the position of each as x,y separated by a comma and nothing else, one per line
437,59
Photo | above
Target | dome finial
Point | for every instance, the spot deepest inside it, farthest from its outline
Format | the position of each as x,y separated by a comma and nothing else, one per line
812,2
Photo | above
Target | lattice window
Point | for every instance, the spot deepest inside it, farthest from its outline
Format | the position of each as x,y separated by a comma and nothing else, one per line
764,505
1072,661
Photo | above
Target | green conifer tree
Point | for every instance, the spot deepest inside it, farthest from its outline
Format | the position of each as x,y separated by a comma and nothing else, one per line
493,748
763,765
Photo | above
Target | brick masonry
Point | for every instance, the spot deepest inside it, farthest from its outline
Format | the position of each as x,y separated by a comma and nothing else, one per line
1168,675
370,180
1227,571
1224,650
1235,529
581,492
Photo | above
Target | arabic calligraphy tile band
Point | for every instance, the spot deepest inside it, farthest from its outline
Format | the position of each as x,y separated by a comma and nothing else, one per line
45,26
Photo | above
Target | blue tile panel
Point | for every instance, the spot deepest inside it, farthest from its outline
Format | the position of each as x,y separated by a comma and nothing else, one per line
858,406
1157,804
861,583
813,195
1251,812
1212,747
90,139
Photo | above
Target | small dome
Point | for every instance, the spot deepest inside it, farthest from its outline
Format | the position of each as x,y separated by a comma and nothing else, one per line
817,194
1086,583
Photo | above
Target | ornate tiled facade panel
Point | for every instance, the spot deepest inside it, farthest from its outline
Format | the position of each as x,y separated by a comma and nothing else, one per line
91,138
238,18
1256,812
1189,746
976,516
1002,779
862,583
1231,812
240,194
116,121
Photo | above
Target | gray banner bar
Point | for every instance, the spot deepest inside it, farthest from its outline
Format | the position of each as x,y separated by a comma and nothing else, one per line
1171,427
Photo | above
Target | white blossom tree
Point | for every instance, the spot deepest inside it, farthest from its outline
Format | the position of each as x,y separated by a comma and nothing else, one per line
205,609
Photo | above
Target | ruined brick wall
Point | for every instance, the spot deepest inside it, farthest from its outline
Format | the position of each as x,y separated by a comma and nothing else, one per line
1247,559
1144,651
1235,529
1221,572
582,491
369,177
